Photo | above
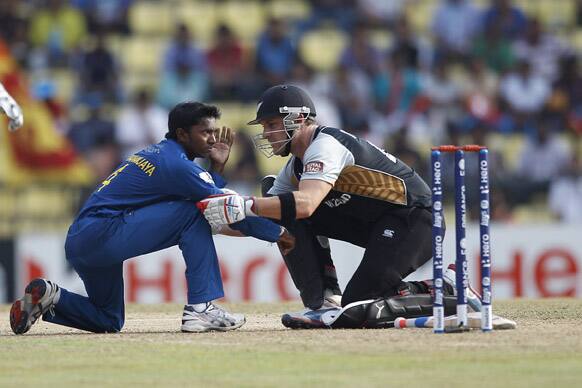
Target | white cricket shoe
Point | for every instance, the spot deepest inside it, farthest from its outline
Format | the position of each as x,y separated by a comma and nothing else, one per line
212,318
331,299
313,319
39,297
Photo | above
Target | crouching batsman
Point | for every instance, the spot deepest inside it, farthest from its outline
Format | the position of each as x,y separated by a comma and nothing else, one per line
336,185
148,204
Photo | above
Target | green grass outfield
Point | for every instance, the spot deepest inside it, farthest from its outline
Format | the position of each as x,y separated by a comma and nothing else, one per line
545,351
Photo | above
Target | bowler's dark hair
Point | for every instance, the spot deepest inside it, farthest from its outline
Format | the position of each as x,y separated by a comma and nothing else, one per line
186,114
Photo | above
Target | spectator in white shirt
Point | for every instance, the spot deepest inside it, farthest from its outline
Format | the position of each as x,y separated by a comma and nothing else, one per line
541,160
140,124
541,50
543,156
524,91
523,95
565,198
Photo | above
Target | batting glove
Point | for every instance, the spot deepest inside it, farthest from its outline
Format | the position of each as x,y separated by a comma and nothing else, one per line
224,209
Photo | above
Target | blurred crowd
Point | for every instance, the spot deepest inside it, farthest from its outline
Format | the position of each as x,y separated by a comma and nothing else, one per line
483,70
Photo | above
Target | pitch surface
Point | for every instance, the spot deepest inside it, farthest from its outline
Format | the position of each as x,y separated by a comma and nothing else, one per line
545,350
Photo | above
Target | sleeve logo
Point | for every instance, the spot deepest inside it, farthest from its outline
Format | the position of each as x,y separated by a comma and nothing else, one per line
206,177
313,167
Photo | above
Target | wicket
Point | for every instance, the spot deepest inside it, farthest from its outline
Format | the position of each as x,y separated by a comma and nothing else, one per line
462,275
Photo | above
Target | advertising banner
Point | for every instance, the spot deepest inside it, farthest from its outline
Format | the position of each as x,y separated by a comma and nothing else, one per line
528,261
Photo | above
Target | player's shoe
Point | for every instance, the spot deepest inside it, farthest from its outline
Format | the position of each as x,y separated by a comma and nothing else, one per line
473,297
332,299
39,297
212,318
313,319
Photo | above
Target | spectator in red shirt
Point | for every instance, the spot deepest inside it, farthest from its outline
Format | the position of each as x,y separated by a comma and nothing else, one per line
226,64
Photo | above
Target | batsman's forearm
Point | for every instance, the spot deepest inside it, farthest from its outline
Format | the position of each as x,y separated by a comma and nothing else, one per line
267,207
270,207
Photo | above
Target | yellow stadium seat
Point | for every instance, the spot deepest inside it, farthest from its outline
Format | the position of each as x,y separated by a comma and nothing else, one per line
482,4
115,43
65,82
510,147
151,17
143,54
321,49
270,166
248,112
289,9
381,39
245,17
231,116
560,13
538,212
6,203
459,73
201,17
31,203
530,7
135,81
576,40
420,14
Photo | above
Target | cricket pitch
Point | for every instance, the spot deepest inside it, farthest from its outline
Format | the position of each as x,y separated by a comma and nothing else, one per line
545,350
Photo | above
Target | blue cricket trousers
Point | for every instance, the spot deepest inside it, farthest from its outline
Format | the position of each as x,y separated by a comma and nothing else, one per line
96,247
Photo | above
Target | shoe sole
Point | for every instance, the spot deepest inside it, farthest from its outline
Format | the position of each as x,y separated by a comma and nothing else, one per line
26,310
301,323
205,329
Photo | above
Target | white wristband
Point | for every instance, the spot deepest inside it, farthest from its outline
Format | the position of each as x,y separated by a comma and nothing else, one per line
250,207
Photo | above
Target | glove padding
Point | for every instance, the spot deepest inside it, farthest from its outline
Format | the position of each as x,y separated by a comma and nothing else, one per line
12,110
222,209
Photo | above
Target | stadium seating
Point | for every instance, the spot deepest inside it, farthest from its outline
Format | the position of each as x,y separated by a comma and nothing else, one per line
65,83
381,39
420,14
200,16
289,9
321,49
245,17
142,54
150,18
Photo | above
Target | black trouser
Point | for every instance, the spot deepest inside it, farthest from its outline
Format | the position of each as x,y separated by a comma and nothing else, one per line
398,243
309,263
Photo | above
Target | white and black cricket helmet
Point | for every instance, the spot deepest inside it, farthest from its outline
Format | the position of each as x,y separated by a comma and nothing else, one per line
288,101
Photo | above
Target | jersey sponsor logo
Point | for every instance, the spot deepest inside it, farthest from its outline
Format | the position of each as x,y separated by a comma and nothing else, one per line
335,202
388,233
206,177
152,149
313,167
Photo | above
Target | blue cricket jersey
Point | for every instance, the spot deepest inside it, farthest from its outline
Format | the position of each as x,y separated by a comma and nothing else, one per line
161,172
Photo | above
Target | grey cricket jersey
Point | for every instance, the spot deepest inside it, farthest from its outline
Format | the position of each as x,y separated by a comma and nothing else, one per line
366,180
